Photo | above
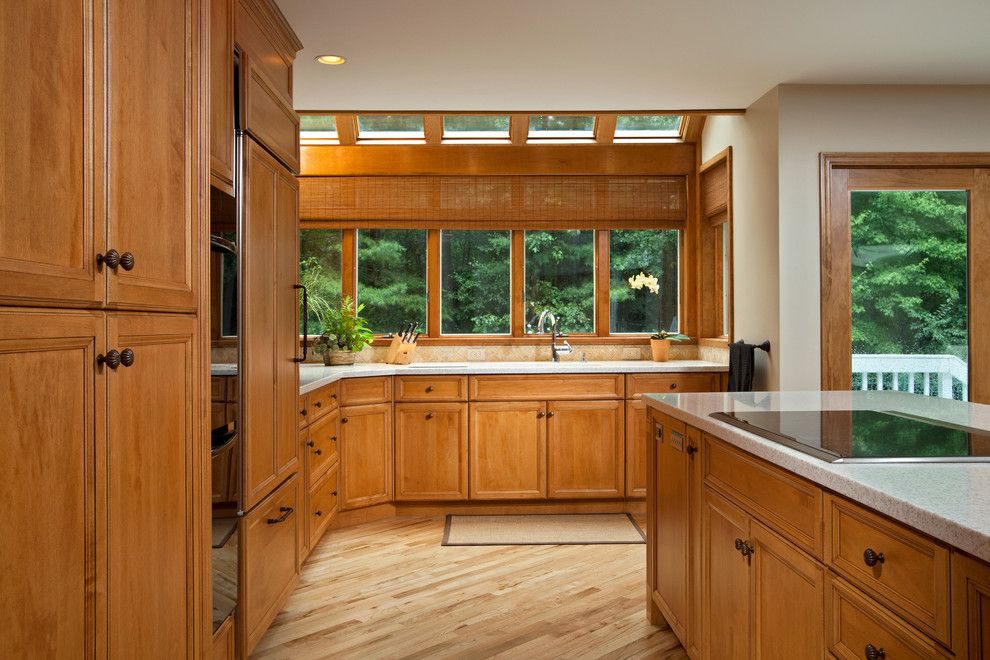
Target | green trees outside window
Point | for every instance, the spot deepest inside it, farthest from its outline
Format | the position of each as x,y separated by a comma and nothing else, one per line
475,294
319,272
560,276
653,252
391,278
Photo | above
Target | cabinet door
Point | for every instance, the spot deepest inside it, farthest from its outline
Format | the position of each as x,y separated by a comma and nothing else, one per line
637,429
508,451
269,332
222,94
365,455
431,444
52,404
50,231
783,574
151,485
970,607
585,449
671,520
726,602
153,130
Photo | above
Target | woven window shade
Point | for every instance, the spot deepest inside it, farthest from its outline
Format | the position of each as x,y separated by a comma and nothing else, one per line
715,189
495,201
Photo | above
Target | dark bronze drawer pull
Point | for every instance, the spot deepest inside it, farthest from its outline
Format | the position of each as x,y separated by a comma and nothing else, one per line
303,412
318,452
429,415
333,438
744,548
673,386
691,449
343,420
871,557
429,388
318,404
127,261
319,513
874,653
111,359
286,512
111,259
550,414
127,357
334,493
540,414
310,443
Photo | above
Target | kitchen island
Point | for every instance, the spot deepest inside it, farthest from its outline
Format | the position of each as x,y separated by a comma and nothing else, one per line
756,548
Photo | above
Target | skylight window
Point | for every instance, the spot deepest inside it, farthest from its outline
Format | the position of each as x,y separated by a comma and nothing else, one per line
390,127
317,127
647,126
561,126
475,126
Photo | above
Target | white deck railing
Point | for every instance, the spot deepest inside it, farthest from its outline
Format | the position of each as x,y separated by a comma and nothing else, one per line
916,372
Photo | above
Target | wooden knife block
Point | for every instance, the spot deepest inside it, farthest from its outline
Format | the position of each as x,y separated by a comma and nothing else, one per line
399,352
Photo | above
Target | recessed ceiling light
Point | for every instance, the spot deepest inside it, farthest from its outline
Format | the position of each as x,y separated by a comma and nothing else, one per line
330,59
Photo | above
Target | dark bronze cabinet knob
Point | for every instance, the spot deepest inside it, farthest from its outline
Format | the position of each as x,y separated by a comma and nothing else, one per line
319,513
333,396
303,412
873,653
429,415
333,438
127,261
691,449
673,386
343,420
549,414
111,259
127,357
318,452
310,443
871,557
429,388
318,404
111,359
334,493
540,414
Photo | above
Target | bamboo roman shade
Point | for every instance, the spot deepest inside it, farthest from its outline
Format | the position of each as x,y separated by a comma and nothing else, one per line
715,189
495,201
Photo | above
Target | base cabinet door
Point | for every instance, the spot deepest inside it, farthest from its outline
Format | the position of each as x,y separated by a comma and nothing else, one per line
970,607
585,449
637,429
508,450
272,535
431,445
788,598
365,455
152,425
52,419
726,603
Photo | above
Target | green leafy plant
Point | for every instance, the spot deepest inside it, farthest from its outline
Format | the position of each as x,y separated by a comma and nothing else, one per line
343,329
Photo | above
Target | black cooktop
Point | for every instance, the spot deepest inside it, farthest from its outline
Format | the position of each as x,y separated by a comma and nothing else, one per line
865,435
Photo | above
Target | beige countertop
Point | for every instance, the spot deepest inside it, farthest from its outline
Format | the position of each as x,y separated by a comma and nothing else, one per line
949,501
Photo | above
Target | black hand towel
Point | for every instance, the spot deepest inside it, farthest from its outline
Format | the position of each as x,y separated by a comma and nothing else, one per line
741,360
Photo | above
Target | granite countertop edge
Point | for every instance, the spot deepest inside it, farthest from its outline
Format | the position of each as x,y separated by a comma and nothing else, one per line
957,510
315,376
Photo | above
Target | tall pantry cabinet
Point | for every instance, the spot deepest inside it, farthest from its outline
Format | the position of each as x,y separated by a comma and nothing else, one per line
102,371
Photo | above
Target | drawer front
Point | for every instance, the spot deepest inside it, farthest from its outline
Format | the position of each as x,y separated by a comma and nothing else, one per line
853,622
911,577
269,119
788,504
321,445
322,401
361,391
322,506
218,388
639,384
431,388
303,410
542,388
272,543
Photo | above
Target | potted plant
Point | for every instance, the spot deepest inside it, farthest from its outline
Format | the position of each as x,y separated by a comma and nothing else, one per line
660,340
345,333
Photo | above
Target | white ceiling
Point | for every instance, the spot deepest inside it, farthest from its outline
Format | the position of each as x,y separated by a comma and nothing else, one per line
623,54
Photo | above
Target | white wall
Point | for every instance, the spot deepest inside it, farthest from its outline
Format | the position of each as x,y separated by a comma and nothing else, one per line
753,138
823,118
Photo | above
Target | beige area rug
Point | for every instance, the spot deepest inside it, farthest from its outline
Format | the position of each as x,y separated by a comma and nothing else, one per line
543,529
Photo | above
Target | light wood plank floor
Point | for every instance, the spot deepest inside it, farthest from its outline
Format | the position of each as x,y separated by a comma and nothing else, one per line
388,589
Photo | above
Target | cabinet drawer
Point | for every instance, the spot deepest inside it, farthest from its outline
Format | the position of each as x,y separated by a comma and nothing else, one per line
639,384
542,388
322,401
359,391
322,506
272,543
321,444
911,577
853,621
303,410
788,504
431,388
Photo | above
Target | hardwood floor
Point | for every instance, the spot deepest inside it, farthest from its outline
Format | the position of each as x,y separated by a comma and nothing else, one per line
388,589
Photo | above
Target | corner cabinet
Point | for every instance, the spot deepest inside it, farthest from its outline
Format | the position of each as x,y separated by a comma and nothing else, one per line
102,190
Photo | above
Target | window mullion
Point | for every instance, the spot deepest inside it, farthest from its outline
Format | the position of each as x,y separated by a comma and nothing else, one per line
518,257
433,283
602,284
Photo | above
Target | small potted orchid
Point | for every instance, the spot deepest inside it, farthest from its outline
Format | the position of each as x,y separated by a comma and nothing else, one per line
660,340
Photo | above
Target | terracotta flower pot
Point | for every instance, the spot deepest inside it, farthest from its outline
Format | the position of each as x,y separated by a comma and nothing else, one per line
660,349
339,357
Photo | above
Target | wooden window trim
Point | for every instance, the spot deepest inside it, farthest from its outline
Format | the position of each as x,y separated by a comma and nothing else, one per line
842,172
709,232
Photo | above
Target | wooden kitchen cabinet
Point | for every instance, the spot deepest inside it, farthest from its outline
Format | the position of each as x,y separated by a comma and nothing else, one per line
323,504
726,605
431,451
152,440
508,450
637,428
222,94
365,455
970,607
321,445
585,449
53,403
269,328
269,568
